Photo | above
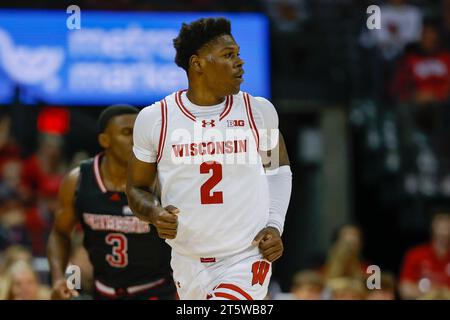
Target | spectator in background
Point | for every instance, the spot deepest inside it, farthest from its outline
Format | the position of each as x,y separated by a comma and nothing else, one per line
8,148
346,289
427,266
344,258
10,179
423,76
286,14
11,255
43,171
42,176
387,288
307,285
8,258
401,24
12,211
22,283
422,86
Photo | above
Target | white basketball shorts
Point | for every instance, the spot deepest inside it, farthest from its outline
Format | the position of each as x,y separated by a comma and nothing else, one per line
243,276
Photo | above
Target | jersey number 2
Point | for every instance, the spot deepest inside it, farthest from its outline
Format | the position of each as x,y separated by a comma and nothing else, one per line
119,256
205,190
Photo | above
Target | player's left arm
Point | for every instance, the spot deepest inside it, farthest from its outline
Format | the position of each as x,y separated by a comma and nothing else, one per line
279,178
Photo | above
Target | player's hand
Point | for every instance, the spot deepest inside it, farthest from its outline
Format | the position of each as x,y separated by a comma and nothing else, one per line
60,291
270,244
166,222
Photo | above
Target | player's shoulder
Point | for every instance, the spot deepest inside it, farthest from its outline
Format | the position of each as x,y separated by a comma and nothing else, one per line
70,181
74,173
151,109
86,162
150,112
261,107
257,101
154,110
84,167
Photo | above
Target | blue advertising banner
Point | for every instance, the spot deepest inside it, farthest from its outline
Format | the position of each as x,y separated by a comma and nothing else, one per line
113,58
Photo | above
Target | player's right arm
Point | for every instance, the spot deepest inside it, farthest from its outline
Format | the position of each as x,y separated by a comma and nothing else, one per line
144,203
59,242
142,175
276,163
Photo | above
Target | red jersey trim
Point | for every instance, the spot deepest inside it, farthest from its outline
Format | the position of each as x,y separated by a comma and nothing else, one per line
235,288
187,113
251,120
225,295
162,136
228,106
182,107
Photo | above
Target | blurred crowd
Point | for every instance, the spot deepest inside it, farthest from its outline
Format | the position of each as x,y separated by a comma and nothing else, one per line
408,73
29,188
346,275
397,81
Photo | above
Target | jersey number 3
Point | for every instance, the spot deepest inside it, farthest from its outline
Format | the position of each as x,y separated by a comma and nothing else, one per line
119,256
205,190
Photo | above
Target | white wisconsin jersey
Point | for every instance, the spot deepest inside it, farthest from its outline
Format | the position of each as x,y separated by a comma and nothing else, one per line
209,167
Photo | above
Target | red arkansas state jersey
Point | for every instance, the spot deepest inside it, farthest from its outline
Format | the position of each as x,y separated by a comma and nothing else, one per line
209,167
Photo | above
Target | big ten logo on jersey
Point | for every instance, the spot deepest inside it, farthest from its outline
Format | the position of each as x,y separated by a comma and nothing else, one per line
235,123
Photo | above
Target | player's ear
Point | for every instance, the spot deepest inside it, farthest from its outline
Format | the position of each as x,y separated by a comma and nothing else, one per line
195,63
104,140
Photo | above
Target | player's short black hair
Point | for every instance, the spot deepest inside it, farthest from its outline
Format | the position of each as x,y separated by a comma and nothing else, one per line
195,35
113,111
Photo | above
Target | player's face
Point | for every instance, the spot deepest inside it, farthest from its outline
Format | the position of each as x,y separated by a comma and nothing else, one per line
120,132
222,66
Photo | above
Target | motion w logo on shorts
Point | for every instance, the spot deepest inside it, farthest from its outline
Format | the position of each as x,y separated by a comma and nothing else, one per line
260,270
208,123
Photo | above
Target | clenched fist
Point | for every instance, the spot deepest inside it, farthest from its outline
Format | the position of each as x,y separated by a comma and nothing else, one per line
270,244
166,222
60,291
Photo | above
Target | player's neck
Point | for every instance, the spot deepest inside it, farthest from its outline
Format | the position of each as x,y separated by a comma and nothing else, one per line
113,173
201,97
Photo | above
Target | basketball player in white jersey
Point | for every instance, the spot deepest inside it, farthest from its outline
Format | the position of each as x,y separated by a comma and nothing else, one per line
222,171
